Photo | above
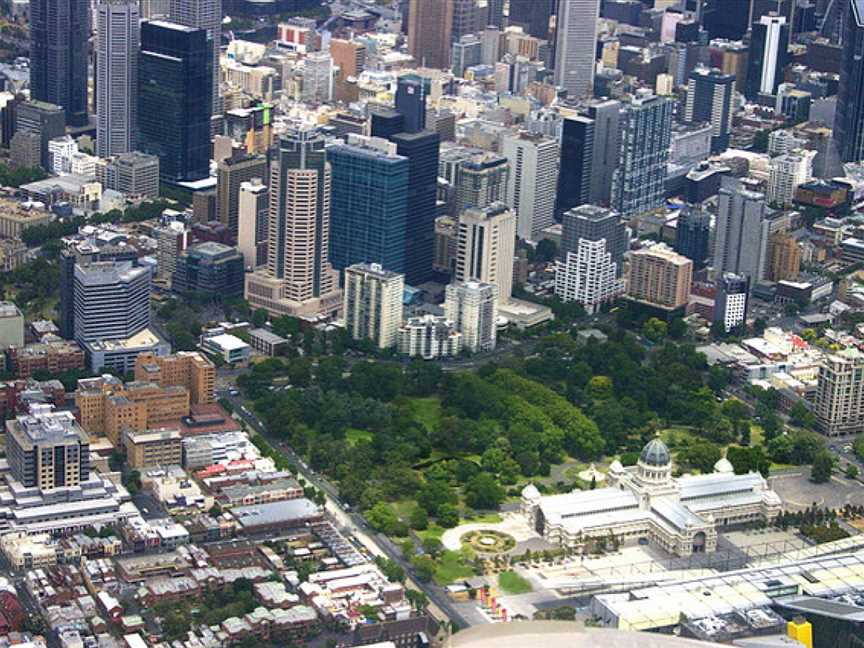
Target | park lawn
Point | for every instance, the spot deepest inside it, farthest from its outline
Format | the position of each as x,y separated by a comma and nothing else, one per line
757,435
426,410
778,467
354,436
451,567
432,532
512,583
486,518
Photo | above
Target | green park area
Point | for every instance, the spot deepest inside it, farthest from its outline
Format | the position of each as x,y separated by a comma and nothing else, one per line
419,450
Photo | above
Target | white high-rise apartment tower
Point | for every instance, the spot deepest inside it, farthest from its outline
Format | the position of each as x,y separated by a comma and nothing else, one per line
787,172
203,14
576,52
117,42
487,242
533,181
473,309
373,303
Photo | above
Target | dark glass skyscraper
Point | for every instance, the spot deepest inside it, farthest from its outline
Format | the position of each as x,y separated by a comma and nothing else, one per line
769,54
533,15
725,18
59,38
849,120
368,204
692,236
577,152
421,149
174,99
411,102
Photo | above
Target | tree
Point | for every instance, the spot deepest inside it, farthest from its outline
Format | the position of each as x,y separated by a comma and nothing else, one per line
483,492
701,455
383,518
752,459
851,471
545,251
417,599
259,317
600,388
677,328
800,415
655,329
823,465
424,567
448,516
418,519
391,569
858,446
759,325
432,546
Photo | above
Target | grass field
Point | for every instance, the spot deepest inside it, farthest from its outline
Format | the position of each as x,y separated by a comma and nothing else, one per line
354,436
512,583
451,568
426,410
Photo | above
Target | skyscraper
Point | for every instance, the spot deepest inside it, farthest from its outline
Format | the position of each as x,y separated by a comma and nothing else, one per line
533,15
693,234
70,258
576,45
207,15
592,244
421,149
769,54
373,303
411,91
709,99
252,216
743,227
468,18
369,210
42,120
606,117
533,181
430,25
59,40
839,403
645,135
577,157
786,173
725,18
298,280
486,247
112,300
118,38
473,309
48,450
481,180
174,110
732,300
231,173
784,257
659,277
849,120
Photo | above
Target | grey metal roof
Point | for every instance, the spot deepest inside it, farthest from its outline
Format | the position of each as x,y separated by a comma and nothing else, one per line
284,512
655,454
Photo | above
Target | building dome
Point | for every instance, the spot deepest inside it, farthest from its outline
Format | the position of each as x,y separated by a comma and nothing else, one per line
655,454
724,466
